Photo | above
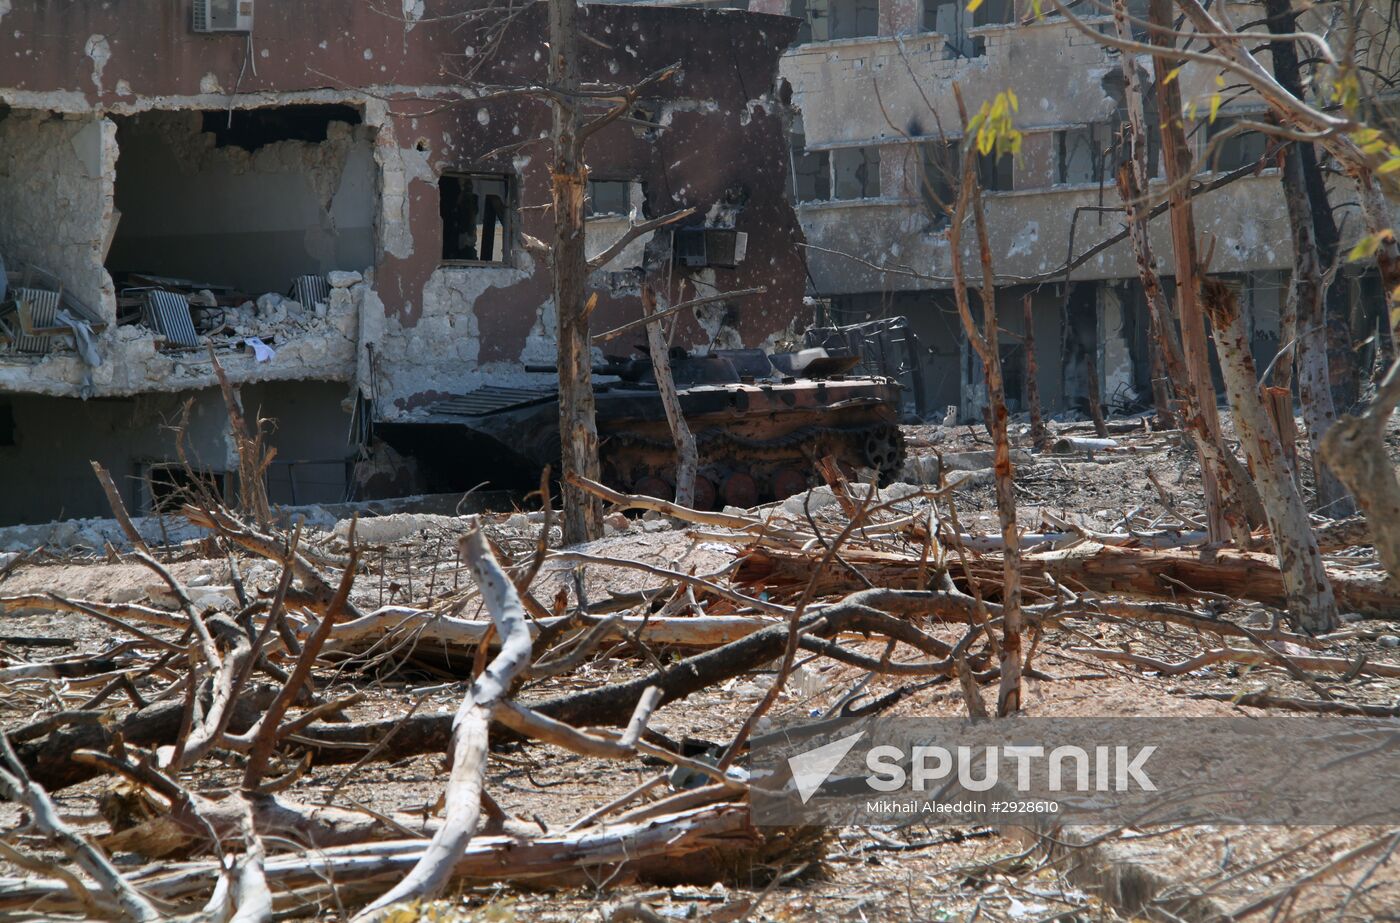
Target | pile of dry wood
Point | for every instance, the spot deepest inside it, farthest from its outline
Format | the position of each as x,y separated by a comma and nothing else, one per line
890,586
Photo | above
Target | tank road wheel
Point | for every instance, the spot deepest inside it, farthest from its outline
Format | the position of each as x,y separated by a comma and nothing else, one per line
884,451
741,490
653,486
704,493
788,482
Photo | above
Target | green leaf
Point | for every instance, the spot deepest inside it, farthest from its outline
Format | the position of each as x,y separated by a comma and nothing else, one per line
1171,74
1390,166
973,5
1214,107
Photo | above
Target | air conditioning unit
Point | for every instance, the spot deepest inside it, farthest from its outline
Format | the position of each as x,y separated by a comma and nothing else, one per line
223,15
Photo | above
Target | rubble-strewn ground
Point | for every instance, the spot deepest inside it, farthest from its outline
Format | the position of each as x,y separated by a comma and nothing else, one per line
909,874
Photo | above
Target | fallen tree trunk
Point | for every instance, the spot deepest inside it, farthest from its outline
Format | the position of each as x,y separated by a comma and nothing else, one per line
1102,568
186,831
1238,574
696,846
49,760
431,628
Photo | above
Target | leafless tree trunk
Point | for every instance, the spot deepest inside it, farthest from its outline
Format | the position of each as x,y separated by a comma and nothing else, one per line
1132,186
1157,368
687,458
1309,592
1032,386
1355,449
578,428
1193,332
1310,333
984,341
1091,371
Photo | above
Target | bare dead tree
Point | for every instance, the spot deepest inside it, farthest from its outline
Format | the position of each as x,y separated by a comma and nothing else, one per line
983,340
1038,439
578,425
1133,178
1222,504
1310,599
687,457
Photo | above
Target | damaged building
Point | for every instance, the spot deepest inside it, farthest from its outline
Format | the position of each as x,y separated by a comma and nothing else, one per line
338,206
872,145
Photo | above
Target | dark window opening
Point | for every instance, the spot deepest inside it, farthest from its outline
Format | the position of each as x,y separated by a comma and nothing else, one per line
824,20
857,172
1236,151
7,424
951,20
941,173
475,217
994,173
170,487
251,129
938,181
1013,375
811,170
1081,154
609,197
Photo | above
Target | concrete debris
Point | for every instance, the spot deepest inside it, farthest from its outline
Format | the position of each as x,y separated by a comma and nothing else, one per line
341,279
383,530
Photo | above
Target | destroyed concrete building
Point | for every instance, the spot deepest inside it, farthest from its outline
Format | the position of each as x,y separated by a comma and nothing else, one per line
340,203
873,81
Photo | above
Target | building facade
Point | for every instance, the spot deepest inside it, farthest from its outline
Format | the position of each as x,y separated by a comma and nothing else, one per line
342,205
872,83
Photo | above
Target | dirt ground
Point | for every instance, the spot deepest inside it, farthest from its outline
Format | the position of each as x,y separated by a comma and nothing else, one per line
862,874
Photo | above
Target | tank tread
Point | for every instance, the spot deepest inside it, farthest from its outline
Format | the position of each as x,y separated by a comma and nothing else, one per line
879,446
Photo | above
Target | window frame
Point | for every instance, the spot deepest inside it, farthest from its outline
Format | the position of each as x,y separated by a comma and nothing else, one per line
865,152
508,218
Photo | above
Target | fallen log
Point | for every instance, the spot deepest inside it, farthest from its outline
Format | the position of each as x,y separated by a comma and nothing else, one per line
428,627
185,830
697,846
1238,574
49,759
1141,572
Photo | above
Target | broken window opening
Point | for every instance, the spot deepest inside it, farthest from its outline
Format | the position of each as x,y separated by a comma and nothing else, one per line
857,172
190,210
169,487
938,181
475,217
614,198
251,129
994,173
951,20
1081,154
1236,151
825,20
811,170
